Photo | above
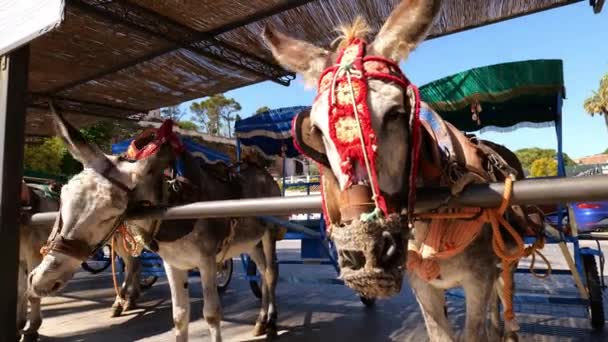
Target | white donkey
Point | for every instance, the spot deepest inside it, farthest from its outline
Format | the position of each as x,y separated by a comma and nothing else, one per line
95,201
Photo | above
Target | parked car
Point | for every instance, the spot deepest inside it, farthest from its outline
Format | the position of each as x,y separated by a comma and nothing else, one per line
589,216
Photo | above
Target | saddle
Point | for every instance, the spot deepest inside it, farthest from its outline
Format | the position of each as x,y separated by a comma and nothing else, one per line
459,159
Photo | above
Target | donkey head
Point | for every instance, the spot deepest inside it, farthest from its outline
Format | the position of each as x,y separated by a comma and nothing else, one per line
359,130
93,202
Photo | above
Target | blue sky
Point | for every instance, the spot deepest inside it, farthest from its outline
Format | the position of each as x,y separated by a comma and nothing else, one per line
571,33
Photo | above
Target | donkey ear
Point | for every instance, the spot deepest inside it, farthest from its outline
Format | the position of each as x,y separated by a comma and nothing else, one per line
296,55
406,27
157,162
88,154
307,138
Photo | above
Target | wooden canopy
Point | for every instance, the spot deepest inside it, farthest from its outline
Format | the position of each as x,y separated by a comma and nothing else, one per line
118,58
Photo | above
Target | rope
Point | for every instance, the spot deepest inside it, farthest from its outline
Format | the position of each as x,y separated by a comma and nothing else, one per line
447,240
347,70
130,245
114,278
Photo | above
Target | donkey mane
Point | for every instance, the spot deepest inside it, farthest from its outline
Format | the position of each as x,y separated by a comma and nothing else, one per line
359,28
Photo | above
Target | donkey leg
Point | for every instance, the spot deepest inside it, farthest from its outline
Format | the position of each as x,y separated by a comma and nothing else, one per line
478,292
22,298
495,331
180,300
131,283
30,333
119,301
257,254
270,281
432,301
212,308
510,328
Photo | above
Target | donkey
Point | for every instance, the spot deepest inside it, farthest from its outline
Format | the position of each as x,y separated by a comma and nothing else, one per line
31,239
96,200
36,199
362,132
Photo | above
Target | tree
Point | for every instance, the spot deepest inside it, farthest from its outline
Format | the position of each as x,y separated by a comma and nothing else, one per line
543,167
174,113
262,110
188,125
51,156
597,104
46,157
216,113
528,155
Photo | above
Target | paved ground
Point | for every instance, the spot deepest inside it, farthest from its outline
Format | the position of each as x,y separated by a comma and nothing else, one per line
308,312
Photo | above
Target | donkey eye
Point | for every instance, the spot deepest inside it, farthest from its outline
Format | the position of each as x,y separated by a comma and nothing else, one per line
394,114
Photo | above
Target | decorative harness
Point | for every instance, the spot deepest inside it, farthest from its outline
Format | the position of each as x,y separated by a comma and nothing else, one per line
350,119
80,249
350,129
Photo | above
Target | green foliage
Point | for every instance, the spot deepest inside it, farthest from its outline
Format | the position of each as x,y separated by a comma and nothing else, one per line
189,125
527,156
52,156
262,110
216,114
101,134
597,104
46,157
543,167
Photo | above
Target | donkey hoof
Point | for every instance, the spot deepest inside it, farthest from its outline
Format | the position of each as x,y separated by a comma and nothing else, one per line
511,337
30,337
130,305
259,329
271,331
116,310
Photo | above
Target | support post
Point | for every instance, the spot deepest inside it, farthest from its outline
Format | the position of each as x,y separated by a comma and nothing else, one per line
238,153
561,167
13,92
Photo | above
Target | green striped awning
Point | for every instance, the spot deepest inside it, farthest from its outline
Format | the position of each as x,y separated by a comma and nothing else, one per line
510,94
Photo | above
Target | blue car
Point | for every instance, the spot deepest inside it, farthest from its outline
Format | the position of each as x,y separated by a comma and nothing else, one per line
591,216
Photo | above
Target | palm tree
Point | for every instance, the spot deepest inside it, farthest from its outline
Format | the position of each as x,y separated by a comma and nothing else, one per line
598,103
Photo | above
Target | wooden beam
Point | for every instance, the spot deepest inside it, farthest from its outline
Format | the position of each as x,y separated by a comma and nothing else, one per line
13,103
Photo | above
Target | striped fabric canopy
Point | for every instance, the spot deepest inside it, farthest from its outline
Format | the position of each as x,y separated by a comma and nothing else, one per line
269,132
208,155
510,95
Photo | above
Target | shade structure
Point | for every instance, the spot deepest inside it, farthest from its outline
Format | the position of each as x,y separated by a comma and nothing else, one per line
510,95
270,132
118,58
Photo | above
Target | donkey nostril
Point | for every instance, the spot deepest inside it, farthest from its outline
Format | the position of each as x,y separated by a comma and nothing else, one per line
352,259
56,286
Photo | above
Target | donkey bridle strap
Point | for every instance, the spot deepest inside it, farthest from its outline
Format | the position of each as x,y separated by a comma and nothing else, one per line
75,248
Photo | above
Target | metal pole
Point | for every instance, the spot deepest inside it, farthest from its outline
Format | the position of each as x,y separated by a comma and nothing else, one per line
13,97
530,191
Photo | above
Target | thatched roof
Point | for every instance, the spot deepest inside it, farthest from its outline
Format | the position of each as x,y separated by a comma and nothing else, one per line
118,58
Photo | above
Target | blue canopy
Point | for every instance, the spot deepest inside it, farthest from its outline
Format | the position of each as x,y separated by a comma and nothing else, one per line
208,155
269,131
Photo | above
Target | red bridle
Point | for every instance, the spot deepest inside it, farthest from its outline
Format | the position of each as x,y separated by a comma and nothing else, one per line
350,124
